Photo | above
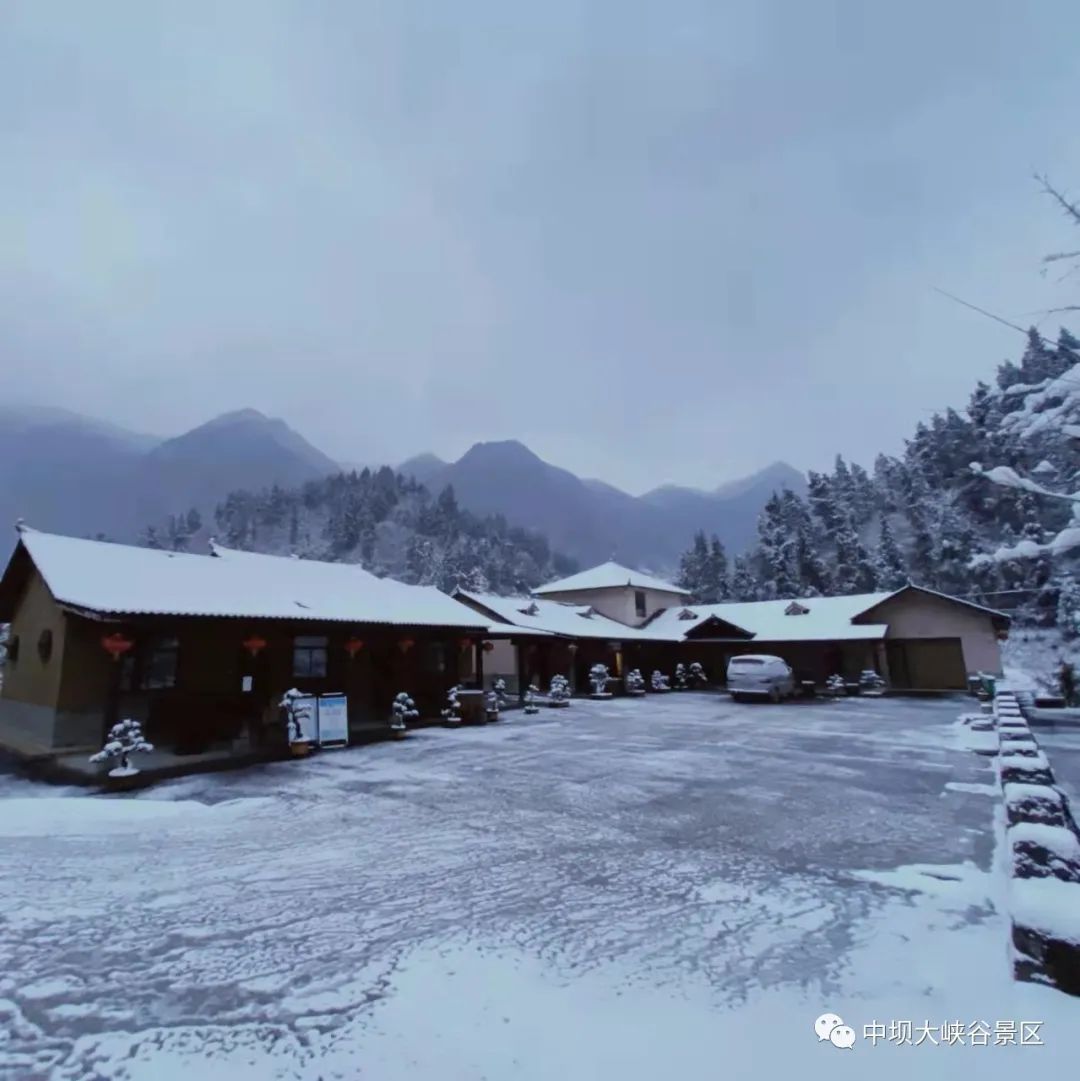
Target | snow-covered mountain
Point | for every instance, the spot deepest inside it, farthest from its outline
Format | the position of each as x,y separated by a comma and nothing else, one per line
590,520
63,471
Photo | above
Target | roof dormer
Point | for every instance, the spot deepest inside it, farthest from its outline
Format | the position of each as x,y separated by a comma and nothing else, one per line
796,609
687,614
532,610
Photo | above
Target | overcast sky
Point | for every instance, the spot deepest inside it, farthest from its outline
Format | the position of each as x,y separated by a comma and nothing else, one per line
654,241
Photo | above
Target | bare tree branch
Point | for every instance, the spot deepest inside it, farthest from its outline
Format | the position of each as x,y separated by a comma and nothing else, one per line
1070,209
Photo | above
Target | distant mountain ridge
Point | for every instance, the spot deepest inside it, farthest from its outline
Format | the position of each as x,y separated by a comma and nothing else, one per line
590,520
73,474
70,473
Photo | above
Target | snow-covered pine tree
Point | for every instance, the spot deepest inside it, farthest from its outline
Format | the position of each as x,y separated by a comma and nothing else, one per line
599,677
559,692
402,710
680,677
125,738
888,562
693,566
1068,607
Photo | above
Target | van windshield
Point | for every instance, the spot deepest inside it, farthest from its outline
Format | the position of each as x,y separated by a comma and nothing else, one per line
746,661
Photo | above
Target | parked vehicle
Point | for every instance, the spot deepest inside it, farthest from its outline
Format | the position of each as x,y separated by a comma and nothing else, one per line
760,676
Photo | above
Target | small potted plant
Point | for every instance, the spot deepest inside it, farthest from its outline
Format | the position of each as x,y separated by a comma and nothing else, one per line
491,706
871,684
599,678
658,681
680,677
835,686
532,699
297,714
402,710
125,738
697,675
559,695
498,688
452,714
635,683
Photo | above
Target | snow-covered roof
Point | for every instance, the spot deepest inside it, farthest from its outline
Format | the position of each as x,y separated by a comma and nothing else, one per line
121,579
606,576
555,617
825,619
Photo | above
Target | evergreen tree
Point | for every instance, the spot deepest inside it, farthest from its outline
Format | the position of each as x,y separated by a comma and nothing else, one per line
694,567
1068,607
889,562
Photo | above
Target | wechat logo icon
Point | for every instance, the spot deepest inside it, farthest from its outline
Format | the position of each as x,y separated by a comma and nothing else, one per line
831,1027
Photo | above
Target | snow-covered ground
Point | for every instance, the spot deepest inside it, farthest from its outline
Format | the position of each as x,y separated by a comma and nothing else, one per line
675,886
1032,657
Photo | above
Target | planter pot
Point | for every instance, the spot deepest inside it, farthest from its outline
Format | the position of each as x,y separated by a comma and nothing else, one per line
123,782
600,694
491,715
398,733
452,722
529,710
300,749
558,703
636,694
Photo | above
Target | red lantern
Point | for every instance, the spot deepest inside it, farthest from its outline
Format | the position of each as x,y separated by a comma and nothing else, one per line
1003,635
254,645
353,646
464,643
489,646
116,645
406,644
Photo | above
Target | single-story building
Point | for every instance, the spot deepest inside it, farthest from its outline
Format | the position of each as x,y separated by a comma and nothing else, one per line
916,638
565,639
200,648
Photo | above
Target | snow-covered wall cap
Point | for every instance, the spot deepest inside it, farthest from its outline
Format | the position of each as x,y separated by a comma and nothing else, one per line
609,575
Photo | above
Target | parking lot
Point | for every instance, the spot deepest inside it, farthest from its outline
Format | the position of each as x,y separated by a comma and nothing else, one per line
603,891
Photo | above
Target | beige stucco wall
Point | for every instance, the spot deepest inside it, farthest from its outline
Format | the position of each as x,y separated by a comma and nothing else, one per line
922,615
617,602
501,661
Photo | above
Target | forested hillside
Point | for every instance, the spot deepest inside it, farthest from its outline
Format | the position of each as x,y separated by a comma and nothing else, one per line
992,533
392,525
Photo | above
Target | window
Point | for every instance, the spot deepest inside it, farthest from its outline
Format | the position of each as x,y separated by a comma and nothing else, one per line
159,664
746,662
309,656
639,602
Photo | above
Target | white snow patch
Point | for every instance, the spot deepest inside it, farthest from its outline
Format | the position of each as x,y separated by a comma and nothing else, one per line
1057,839
1048,905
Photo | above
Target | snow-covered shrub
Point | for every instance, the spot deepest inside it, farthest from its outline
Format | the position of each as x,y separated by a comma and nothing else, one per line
498,688
559,694
680,677
658,681
635,682
452,714
125,738
697,675
599,677
835,685
295,714
402,709
870,682
532,696
492,703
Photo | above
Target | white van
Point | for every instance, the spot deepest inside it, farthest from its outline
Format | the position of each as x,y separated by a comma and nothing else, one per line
760,676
